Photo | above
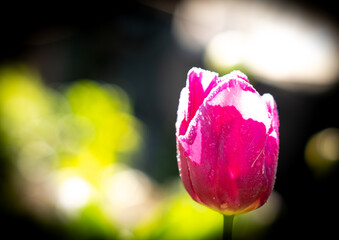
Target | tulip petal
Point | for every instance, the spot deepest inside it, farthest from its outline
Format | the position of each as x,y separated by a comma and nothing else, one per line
271,162
199,84
242,95
185,172
272,146
181,124
272,109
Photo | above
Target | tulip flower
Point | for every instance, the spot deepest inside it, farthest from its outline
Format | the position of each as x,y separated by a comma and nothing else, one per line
227,141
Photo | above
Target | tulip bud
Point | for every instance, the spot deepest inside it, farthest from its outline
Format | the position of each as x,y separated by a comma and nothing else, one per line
227,141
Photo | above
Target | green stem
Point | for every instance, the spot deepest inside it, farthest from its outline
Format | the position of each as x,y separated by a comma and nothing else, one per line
228,225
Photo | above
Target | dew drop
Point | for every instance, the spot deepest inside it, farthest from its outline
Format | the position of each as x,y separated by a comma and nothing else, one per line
223,206
243,130
212,145
211,175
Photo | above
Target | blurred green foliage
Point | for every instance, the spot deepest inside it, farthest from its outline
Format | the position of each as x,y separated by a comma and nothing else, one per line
54,137
181,218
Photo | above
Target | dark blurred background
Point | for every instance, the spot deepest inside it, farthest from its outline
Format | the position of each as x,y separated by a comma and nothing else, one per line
146,48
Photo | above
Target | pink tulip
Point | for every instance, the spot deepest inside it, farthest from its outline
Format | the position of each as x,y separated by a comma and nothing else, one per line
227,141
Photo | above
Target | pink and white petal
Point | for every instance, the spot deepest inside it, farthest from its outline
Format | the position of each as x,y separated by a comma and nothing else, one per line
181,124
199,83
241,142
243,96
234,75
200,162
271,162
272,109
185,172
223,149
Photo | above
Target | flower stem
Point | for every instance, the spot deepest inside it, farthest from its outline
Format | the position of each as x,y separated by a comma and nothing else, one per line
228,225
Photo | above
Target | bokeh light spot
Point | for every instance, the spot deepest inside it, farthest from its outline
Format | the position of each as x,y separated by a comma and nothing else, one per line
322,151
73,193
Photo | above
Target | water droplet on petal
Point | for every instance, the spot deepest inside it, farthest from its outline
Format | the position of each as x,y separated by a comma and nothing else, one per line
223,206
243,130
211,175
212,145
